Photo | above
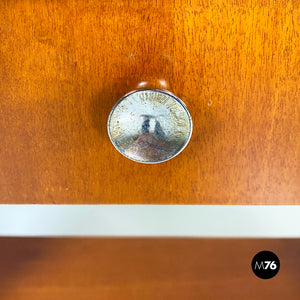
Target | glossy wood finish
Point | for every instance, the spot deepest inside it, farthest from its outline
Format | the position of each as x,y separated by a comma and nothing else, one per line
144,269
235,63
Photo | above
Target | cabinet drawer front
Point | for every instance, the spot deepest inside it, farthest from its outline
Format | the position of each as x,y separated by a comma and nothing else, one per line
235,64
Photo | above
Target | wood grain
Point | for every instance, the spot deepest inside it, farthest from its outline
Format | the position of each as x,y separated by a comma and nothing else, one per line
144,269
235,63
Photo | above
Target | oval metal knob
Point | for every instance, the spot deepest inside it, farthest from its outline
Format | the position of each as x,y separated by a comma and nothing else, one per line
149,125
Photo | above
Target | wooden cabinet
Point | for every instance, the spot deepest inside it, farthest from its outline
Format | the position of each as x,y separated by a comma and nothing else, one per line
64,64
144,269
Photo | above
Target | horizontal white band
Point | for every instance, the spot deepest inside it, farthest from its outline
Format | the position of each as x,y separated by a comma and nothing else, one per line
150,220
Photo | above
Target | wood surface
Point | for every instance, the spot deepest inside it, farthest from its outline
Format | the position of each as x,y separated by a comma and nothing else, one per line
47,268
64,64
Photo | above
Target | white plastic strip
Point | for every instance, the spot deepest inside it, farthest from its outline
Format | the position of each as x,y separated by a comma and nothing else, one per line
150,221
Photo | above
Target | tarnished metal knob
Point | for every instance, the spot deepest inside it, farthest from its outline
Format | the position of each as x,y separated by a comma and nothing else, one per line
149,125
